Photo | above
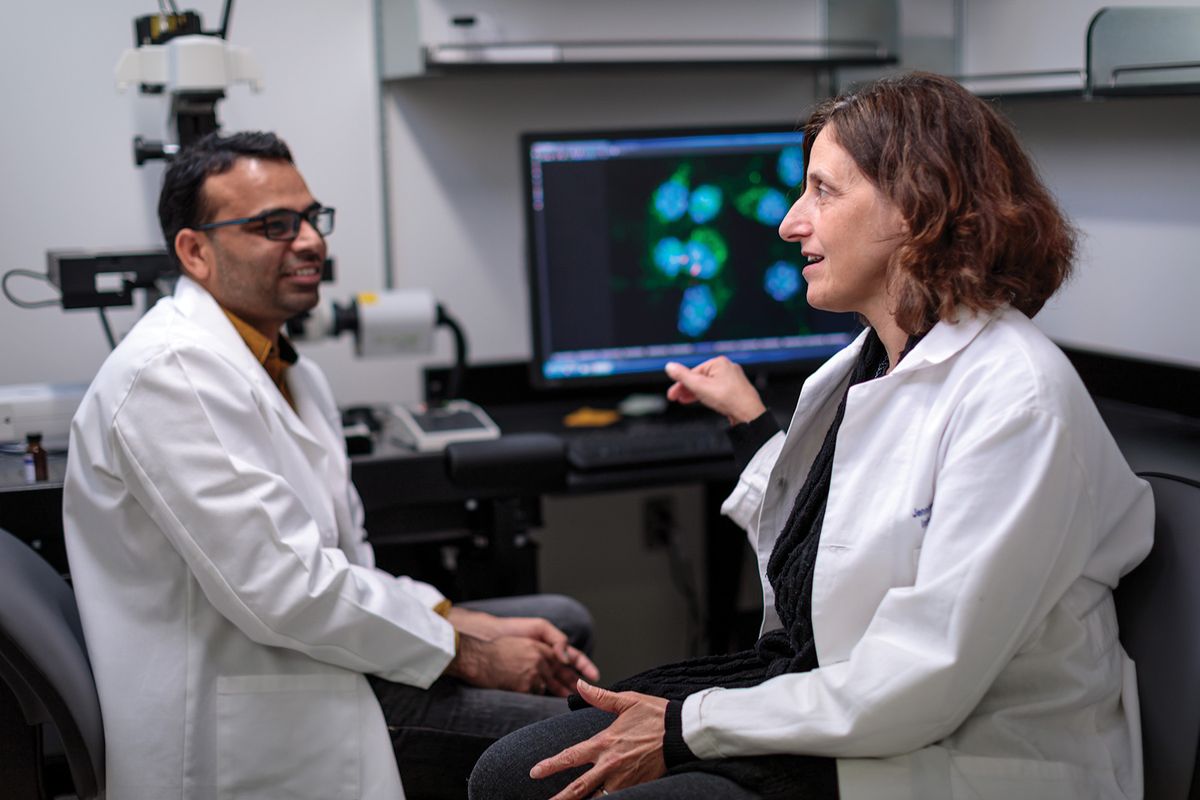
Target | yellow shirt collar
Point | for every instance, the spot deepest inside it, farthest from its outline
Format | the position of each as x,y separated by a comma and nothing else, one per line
275,360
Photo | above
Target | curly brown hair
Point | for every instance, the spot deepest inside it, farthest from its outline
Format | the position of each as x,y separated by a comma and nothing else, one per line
983,230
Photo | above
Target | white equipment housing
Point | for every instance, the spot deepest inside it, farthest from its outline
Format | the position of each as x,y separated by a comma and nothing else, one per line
193,63
45,408
395,322
426,428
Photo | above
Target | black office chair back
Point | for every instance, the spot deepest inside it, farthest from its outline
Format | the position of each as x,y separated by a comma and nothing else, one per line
44,662
1158,607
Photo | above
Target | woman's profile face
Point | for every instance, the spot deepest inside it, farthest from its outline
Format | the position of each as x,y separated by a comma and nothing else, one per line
847,229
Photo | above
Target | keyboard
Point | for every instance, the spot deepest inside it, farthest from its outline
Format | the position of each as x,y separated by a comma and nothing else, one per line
634,444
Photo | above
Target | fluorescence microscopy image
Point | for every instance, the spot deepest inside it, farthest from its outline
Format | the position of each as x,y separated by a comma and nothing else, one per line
698,257
651,247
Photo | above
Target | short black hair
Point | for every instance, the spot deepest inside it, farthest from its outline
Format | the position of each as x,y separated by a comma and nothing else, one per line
182,204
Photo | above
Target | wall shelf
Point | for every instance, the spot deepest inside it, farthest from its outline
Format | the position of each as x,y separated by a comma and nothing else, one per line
553,55
428,38
1050,83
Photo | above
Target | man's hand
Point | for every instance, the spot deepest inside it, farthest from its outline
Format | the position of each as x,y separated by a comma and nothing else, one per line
514,663
719,384
563,664
489,627
626,753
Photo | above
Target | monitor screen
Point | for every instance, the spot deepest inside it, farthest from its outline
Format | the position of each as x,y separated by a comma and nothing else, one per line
649,247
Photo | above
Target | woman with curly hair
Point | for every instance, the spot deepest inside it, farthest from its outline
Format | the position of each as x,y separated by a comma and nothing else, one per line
938,532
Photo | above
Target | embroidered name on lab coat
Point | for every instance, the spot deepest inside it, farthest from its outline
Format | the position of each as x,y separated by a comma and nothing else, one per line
923,515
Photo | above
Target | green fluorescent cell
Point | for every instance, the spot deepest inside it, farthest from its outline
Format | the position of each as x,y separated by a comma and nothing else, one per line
705,203
670,256
714,242
762,203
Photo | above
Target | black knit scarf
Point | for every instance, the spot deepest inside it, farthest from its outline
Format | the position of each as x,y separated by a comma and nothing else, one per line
789,648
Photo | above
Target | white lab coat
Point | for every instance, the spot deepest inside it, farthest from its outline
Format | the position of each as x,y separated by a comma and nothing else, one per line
229,599
978,518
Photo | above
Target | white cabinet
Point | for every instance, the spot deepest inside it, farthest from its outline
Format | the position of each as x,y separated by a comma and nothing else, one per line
426,37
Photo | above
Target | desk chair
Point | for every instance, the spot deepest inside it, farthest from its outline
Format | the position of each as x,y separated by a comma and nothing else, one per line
1158,608
44,663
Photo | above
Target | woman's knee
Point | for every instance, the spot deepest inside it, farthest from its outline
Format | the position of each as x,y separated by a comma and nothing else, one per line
502,772
496,771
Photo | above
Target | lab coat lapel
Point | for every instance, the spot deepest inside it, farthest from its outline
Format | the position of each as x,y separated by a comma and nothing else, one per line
309,442
331,470
311,417
942,342
946,339
195,303
815,405
818,390
830,377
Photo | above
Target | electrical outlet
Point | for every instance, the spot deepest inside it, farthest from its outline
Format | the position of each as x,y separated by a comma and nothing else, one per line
658,521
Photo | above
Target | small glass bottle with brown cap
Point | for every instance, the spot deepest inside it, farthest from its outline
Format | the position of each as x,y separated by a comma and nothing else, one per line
35,459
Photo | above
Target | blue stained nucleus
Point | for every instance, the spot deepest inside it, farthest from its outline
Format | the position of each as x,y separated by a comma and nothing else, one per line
671,200
670,256
697,311
782,280
705,203
772,207
791,166
701,262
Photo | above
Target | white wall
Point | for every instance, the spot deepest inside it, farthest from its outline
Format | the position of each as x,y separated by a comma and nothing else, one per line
1128,173
70,182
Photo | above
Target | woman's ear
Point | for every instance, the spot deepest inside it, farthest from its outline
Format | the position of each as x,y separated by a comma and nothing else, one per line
195,254
898,221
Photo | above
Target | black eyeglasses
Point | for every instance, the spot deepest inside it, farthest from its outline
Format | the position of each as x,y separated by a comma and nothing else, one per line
282,224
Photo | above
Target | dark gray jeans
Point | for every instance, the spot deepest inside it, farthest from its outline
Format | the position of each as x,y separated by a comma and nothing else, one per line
503,771
438,733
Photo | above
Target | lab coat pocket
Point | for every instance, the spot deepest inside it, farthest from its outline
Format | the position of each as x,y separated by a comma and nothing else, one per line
294,736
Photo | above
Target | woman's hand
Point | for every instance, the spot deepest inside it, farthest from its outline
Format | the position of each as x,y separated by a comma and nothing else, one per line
558,672
626,753
719,384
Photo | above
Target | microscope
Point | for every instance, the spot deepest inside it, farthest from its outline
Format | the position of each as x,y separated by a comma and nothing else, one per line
173,55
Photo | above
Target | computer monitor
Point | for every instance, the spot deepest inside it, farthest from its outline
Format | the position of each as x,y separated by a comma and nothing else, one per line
649,247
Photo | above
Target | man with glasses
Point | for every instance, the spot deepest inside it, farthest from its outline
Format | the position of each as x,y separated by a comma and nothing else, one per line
230,601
